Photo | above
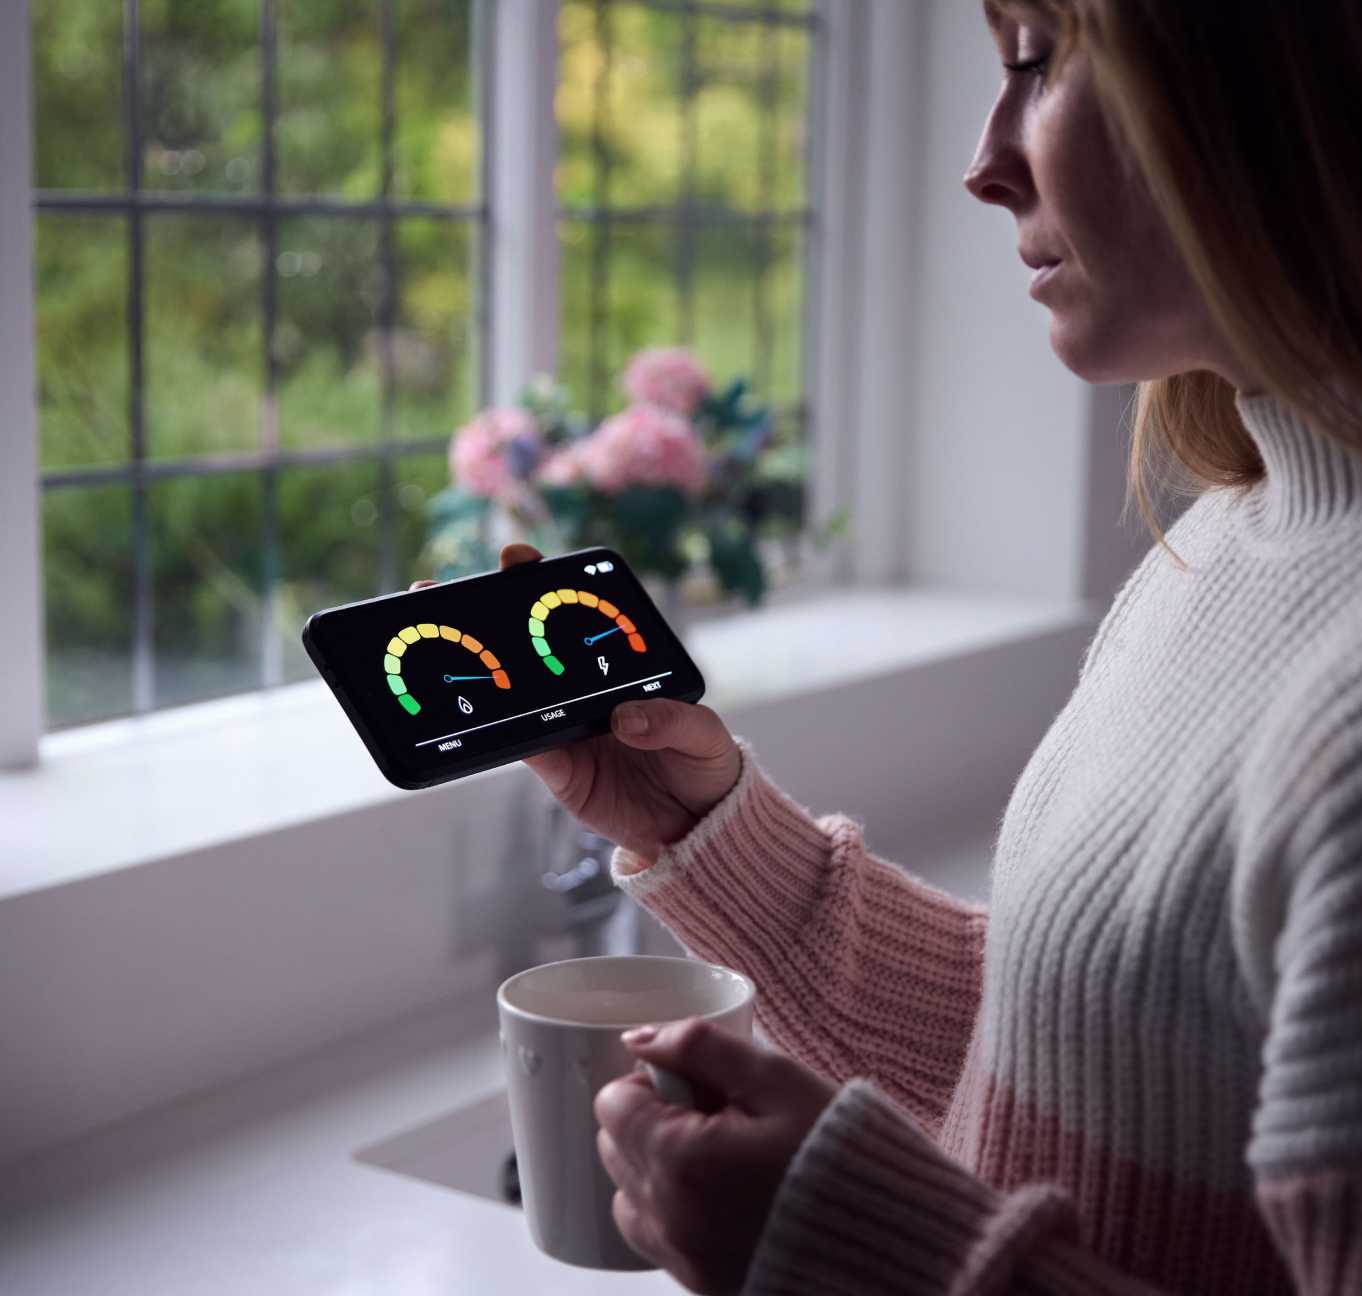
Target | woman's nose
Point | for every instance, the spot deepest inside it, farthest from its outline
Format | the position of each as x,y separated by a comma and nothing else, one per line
999,173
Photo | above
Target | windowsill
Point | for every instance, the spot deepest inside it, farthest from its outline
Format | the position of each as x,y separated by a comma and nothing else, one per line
127,792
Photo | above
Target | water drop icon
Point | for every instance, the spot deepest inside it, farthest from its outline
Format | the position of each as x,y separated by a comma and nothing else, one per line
465,705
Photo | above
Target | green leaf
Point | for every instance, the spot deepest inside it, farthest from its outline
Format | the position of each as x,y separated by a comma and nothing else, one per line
736,563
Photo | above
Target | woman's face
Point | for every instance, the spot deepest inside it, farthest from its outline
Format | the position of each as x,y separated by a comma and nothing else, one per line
1123,304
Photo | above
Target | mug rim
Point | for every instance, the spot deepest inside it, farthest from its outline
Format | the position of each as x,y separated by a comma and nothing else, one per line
524,1014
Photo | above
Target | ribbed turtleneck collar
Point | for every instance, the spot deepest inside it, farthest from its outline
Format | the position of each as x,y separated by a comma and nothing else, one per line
1312,482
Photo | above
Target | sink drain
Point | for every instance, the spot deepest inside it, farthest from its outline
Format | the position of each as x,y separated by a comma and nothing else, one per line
510,1180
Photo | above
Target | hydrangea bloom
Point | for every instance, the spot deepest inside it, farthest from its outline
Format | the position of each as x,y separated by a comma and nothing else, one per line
644,446
492,454
667,376
562,468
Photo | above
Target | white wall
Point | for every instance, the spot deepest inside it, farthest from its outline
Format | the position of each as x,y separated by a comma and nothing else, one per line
994,497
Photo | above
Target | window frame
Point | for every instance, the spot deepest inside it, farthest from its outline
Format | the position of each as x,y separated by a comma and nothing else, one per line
21,620
520,287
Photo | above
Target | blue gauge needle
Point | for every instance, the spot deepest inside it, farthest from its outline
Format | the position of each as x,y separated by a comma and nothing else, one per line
453,679
591,639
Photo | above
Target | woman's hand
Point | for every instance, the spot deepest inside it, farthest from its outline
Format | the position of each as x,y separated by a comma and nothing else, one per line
696,1186
661,769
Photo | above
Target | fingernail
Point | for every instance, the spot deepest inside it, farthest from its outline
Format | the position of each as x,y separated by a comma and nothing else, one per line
631,720
639,1035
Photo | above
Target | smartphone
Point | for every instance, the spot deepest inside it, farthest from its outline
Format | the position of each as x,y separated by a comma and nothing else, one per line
478,672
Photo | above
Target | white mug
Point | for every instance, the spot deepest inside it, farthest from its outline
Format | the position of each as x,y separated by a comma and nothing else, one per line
560,1042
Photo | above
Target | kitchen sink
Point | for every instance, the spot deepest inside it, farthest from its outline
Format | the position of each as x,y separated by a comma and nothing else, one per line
467,1150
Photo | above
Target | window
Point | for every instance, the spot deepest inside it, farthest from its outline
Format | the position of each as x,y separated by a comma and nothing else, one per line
263,290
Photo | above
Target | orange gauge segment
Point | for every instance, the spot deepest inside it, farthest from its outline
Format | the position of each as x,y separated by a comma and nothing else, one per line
543,608
395,658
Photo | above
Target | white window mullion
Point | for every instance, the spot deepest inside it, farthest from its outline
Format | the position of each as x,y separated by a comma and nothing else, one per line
870,109
522,144
837,193
21,637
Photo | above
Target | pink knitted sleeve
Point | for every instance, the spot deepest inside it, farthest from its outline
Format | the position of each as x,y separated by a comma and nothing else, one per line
862,970
872,1206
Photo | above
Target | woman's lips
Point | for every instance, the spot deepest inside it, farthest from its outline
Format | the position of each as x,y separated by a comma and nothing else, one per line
1043,275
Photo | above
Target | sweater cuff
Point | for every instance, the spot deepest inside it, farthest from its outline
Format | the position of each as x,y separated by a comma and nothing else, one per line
871,1204
754,843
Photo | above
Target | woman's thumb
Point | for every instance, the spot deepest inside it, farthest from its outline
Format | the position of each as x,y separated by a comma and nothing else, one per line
680,726
706,1055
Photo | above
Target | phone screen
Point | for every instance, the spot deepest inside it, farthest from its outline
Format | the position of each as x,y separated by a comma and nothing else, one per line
459,677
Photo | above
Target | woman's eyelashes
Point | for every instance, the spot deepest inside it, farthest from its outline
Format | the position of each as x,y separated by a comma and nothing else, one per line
1036,64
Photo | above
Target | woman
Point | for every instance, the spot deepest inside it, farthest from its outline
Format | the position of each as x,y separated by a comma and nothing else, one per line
1141,1068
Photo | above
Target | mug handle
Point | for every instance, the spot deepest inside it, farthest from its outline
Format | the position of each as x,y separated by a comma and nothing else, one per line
670,1086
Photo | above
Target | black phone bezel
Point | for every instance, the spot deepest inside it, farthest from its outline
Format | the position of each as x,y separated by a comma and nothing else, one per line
476,764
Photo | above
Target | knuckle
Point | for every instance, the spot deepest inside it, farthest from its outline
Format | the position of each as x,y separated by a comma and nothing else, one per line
670,1146
605,1105
605,1148
690,1037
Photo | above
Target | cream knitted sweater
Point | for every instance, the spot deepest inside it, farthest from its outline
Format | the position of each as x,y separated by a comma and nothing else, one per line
1140,1068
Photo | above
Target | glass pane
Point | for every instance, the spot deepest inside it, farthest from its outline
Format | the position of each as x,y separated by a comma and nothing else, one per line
87,580
579,64
731,112
204,353
644,303
330,64
784,296
330,543
418,477
327,349
81,265
439,151
725,303
206,570
435,347
641,124
201,95
78,95
793,94
576,240
643,130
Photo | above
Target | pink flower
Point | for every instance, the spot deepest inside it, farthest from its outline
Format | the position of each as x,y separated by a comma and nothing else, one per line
667,376
562,468
644,446
484,454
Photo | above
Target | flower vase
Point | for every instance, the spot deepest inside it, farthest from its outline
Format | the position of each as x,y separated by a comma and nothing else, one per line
501,529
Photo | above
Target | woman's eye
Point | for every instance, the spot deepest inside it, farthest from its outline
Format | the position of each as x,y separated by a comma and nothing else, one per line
1037,65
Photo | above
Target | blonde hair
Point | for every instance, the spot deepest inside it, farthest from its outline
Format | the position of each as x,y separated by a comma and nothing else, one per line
1245,121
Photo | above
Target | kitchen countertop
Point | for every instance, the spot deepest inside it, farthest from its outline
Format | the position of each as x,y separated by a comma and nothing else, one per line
254,1189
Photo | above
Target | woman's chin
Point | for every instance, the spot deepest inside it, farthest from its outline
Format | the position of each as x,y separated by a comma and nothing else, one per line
1096,354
